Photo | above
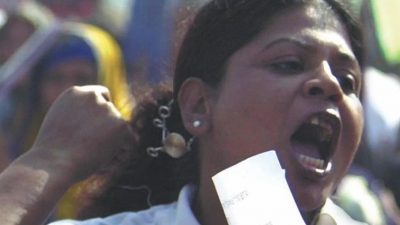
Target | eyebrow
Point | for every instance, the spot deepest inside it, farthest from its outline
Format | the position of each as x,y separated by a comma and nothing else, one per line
296,41
308,46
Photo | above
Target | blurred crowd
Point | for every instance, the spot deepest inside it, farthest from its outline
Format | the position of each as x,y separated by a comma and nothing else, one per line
47,46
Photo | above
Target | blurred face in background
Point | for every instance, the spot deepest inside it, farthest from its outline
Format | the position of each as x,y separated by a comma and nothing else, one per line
64,75
72,8
14,33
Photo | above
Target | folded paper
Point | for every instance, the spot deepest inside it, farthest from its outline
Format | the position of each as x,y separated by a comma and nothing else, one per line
255,192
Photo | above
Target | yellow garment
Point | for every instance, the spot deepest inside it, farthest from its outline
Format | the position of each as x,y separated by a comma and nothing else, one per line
111,73
111,68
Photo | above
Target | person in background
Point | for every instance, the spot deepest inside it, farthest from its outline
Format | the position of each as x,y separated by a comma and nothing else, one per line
250,76
83,54
21,21
78,10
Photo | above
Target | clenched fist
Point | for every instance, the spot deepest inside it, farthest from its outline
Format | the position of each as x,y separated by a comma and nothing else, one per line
82,131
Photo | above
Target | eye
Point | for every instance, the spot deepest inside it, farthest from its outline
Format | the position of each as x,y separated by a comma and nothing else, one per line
287,66
348,83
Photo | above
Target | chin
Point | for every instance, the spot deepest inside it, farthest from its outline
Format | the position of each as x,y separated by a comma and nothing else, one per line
310,195
309,202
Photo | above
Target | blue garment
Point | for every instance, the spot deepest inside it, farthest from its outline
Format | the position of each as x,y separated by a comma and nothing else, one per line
148,37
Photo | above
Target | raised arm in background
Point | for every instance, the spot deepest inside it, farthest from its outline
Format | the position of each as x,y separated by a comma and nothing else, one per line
82,131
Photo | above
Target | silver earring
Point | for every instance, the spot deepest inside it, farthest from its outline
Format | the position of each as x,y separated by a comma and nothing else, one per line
196,123
173,144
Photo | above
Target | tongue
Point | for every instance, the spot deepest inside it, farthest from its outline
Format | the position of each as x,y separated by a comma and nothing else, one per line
307,149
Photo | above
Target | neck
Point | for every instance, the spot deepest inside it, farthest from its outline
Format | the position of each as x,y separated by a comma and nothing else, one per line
207,206
311,217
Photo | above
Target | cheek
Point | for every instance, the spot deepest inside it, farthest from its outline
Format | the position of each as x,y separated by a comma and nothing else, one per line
354,120
353,123
48,93
248,120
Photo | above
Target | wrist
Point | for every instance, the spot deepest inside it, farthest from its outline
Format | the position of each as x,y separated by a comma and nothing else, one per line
58,171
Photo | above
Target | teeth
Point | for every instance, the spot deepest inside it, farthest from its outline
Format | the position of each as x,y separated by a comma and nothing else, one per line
311,162
333,112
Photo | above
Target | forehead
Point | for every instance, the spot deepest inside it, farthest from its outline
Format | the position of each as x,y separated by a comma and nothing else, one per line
309,26
322,14
317,16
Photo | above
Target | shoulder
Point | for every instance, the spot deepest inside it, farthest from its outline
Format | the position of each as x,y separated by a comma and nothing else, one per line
176,213
145,217
150,216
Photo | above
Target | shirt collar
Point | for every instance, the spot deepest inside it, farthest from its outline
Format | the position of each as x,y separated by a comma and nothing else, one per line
184,215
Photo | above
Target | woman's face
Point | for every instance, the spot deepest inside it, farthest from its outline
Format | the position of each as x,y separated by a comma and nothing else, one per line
295,89
15,33
64,75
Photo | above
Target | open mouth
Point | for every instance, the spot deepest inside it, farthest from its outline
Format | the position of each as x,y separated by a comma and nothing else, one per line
314,142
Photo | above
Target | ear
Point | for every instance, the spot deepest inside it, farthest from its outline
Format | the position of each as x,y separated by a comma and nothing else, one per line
195,99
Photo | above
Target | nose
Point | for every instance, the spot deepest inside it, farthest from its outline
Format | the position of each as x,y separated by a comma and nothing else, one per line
323,84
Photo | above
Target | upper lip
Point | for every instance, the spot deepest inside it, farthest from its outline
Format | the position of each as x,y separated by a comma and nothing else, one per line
328,125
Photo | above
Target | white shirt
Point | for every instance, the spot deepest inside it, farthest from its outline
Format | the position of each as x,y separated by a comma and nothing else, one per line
177,213
180,213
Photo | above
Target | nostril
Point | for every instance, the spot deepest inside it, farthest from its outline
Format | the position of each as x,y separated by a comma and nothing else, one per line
334,98
315,91
323,87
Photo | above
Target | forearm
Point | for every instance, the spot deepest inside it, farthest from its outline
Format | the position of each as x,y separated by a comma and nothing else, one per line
29,189
81,132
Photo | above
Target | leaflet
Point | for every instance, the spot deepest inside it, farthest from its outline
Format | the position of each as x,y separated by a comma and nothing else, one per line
255,192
